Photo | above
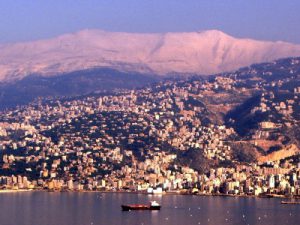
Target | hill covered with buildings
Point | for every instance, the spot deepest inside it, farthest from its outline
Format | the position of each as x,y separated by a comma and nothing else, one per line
233,133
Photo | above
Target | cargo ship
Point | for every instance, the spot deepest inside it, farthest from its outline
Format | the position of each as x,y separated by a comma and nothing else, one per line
153,205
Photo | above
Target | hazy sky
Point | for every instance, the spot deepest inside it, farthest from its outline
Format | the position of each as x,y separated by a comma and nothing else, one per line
22,20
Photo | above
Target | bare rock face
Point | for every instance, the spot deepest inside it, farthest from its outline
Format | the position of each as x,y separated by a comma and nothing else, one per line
285,152
206,52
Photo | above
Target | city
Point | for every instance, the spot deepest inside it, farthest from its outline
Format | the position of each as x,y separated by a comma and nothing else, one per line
169,138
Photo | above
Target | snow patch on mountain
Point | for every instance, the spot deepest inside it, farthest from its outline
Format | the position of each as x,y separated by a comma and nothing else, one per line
206,52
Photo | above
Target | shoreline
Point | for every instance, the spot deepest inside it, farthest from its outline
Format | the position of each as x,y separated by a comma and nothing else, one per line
15,191
3,191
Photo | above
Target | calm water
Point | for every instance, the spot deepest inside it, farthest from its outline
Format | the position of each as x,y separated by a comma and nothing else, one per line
41,208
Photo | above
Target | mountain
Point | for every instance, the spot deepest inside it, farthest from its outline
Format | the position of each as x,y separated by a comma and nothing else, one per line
82,82
206,52
249,115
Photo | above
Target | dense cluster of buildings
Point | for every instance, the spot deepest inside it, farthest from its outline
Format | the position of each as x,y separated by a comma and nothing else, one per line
134,140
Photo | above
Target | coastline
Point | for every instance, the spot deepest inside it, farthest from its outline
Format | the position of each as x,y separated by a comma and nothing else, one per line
15,191
3,191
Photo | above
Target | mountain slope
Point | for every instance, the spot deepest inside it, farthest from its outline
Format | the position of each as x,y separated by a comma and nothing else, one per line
205,52
70,84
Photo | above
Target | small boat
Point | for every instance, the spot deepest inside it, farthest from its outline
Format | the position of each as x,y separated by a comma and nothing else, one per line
293,203
153,205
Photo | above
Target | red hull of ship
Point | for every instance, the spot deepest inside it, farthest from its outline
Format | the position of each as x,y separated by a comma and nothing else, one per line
139,207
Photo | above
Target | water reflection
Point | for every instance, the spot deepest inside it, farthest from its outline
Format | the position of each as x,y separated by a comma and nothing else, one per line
104,208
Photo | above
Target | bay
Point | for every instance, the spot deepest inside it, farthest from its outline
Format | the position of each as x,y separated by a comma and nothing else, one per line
91,208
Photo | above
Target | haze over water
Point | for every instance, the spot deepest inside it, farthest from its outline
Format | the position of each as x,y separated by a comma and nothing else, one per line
96,209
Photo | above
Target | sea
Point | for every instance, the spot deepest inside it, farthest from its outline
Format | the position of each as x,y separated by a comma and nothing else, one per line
92,208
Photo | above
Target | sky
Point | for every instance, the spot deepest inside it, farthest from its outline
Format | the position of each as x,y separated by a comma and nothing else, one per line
26,20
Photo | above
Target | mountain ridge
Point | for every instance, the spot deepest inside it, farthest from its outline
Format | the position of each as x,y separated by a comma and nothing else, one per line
202,52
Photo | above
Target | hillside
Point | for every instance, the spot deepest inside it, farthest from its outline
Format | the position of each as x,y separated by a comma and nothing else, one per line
250,115
272,111
101,80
